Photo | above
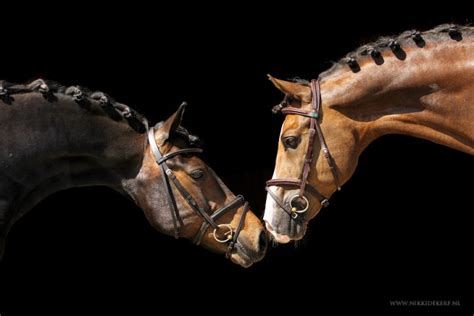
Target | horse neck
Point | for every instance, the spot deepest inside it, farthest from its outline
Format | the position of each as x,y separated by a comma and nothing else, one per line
58,145
427,95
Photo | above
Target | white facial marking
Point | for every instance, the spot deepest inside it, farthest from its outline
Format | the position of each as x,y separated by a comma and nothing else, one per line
270,205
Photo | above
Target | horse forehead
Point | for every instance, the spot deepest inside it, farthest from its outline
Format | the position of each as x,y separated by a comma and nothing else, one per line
291,122
186,162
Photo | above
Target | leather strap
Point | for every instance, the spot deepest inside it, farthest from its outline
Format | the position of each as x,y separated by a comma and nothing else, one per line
279,202
283,182
297,111
239,199
190,200
169,174
179,152
314,129
204,226
236,202
296,183
169,191
308,156
327,155
208,220
238,230
316,104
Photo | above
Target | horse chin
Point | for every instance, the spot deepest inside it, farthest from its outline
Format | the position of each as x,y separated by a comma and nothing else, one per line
244,257
282,238
241,259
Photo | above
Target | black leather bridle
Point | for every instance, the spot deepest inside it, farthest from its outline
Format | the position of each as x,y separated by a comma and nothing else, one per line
209,220
314,129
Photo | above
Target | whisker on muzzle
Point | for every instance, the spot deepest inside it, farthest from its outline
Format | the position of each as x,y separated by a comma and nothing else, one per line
273,241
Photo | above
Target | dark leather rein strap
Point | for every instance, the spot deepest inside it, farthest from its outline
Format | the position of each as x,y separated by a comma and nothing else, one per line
314,129
208,220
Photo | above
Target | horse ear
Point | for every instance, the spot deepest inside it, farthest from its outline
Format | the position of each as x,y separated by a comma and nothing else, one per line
170,125
296,90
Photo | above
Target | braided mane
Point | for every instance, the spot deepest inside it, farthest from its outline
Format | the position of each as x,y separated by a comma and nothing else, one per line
441,33
82,96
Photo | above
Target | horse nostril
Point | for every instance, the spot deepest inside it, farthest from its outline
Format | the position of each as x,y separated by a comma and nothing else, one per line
262,240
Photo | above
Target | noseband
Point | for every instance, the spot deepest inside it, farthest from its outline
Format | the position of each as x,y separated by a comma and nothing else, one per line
314,129
203,212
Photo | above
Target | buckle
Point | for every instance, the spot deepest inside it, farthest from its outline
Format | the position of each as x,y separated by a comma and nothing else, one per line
324,202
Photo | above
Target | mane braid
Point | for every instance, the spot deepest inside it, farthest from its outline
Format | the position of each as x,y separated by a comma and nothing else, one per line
441,33
286,100
83,96
191,140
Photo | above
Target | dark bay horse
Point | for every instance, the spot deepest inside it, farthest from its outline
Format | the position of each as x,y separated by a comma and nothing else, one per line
53,138
419,84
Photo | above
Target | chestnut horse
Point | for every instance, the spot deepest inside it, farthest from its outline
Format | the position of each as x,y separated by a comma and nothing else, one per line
54,138
418,84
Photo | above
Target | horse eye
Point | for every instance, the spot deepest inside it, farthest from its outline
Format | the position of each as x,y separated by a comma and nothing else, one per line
291,141
197,174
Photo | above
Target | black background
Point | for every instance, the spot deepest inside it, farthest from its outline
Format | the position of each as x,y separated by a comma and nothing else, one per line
401,229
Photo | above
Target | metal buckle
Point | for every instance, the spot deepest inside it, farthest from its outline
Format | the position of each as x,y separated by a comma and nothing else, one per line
324,202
